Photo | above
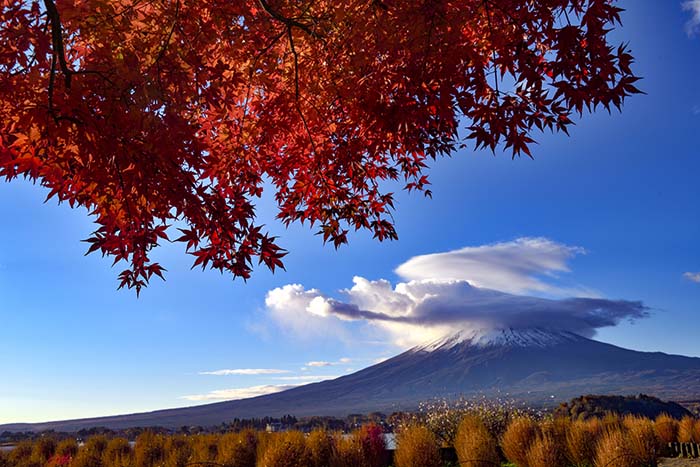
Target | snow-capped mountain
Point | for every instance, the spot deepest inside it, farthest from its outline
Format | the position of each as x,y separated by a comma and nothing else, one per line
501,338
534,365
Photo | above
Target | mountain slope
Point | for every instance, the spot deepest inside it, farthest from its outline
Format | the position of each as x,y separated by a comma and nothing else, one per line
532,365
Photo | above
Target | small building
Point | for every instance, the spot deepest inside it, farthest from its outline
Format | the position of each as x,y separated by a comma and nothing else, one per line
274,427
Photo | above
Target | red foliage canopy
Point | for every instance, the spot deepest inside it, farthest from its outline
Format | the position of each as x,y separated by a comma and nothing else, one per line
151,113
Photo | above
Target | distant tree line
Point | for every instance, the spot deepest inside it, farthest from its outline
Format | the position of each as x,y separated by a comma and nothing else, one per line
286,422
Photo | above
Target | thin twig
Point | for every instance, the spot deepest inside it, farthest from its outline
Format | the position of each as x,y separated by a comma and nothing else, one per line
493,51
296,88
165,45
258,56
290,22
52,79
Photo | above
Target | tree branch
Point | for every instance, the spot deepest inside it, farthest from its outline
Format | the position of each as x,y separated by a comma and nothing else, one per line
57,40
165,45
296,88
290,22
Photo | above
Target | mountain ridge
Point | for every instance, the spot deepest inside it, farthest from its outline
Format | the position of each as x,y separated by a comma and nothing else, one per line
536,366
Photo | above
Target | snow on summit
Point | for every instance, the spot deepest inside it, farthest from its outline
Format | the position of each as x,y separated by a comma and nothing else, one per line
535,337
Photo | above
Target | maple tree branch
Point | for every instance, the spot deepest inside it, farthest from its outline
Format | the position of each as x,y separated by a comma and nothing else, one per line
52,79
380,4
427,44
128,9
96,73
57,117
502,10
290,22
164,48
123,187
57,40
493,53
258,56
566,15
296,87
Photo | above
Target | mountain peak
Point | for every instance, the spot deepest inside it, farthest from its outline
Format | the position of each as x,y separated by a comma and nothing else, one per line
535,365
505,337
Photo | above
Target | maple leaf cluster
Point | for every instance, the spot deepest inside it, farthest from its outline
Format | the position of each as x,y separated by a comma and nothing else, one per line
154,114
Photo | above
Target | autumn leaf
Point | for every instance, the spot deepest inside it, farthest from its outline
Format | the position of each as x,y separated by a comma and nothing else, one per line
174,115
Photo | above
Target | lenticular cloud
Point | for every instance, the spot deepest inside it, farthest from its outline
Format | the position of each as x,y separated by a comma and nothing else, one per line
469,288
522,265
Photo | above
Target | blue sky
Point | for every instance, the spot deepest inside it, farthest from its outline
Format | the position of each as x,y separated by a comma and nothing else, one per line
624,188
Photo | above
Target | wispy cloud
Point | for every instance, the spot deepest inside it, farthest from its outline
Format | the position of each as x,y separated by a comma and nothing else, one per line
523,265
239,393
245,371
693,24
261,390
692,276
322,363
307,378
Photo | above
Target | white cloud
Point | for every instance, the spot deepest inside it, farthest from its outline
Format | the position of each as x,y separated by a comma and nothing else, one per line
693,24
319,364
471,288
322,363
245,371
294,310
518,266
254,391
418,311
239,393
692,276
307,378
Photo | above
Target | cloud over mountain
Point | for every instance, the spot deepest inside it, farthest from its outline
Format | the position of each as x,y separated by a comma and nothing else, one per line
518,266
470,288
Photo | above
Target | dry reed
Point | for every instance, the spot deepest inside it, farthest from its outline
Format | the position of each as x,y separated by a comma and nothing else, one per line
417,446
641,439
612,451
666,428
688,430
517,439
238,449
581,439
475,445
286,450
118,453
320,444
546,451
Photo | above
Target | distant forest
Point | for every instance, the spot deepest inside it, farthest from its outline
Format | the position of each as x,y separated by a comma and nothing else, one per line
287,422
580,408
